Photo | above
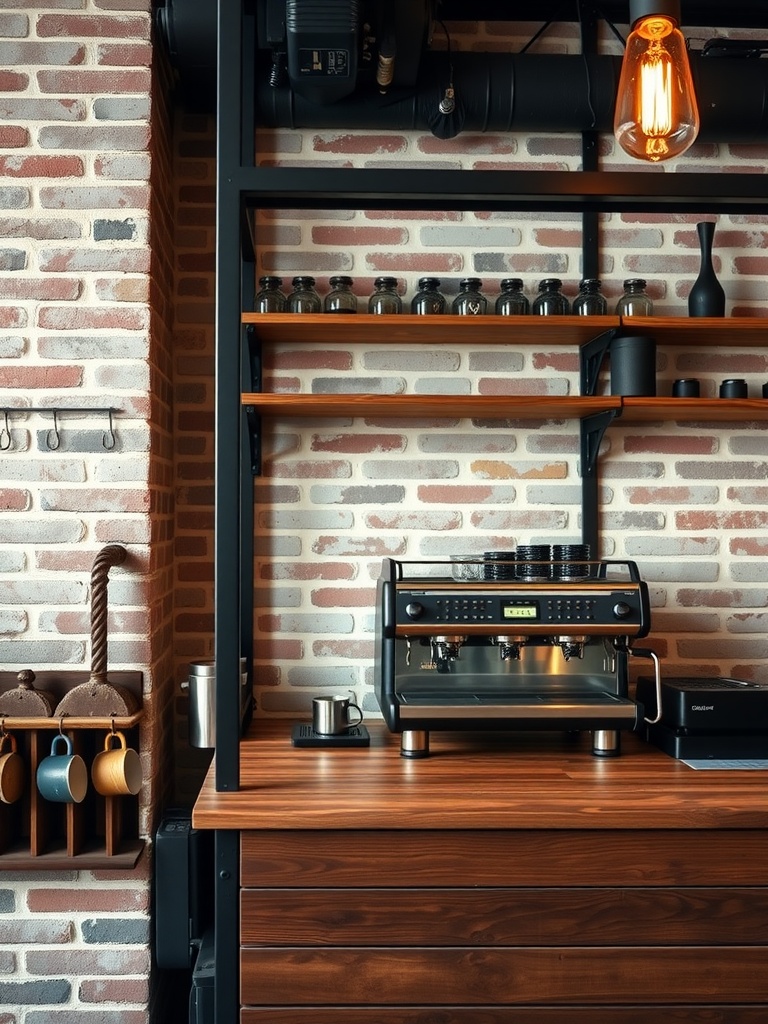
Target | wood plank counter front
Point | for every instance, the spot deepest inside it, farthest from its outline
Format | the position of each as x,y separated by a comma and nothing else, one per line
506,879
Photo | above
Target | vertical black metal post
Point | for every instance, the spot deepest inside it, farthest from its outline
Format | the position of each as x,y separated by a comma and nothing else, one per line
228,510
590,156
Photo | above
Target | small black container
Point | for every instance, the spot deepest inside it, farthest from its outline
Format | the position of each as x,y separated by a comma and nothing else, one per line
633,366
686,387
734,388
499,565
533,561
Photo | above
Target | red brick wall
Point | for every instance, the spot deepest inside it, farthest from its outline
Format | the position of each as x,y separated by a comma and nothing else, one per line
86,270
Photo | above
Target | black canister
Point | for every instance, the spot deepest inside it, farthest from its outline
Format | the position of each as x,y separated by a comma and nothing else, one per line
686,387
633,366
734,388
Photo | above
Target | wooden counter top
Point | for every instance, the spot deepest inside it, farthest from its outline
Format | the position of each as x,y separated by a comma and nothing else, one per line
475,781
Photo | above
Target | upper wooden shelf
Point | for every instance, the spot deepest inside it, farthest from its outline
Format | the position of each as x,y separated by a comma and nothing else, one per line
407,328
526,407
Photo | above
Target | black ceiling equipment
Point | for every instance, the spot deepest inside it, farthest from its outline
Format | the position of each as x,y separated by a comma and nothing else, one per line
367,64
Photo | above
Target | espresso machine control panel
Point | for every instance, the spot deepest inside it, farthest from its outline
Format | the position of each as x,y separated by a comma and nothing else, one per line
599,609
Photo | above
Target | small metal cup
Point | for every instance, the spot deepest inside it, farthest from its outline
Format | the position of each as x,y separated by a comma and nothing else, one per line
330,715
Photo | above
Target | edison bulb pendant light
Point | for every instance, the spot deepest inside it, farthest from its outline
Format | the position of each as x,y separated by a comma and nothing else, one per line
656,112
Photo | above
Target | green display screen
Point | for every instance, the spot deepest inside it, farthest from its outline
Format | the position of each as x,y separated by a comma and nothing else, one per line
520,611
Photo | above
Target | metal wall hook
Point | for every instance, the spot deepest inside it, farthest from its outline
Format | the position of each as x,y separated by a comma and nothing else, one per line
108,439
53,437
5,433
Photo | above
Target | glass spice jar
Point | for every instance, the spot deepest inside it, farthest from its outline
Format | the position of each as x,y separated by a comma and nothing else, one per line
341,298
428,300
470,301
270,299
634,301
512,301
304,298
590,301
550,301
385,299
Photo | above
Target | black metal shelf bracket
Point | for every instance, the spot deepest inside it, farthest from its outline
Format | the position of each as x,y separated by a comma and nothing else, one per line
591,356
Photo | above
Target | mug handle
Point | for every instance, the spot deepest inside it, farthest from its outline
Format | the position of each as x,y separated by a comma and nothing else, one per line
11,739
115,735
352,725
66,741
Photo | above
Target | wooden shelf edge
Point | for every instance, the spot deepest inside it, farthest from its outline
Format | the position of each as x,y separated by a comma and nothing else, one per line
426,407
507,406
491,329
66,723
94,858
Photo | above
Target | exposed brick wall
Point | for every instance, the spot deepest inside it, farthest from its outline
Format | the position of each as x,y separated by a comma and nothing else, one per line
86,270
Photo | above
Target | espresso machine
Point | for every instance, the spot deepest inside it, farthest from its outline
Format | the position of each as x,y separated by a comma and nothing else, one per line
507,644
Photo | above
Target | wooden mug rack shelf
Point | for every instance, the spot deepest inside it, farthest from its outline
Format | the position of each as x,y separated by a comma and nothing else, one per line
100,832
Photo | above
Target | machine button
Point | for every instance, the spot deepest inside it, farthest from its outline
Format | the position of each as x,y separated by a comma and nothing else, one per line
414,610
621,610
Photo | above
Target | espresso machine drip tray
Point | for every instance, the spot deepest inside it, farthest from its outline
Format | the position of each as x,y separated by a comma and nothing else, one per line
537,704
514,646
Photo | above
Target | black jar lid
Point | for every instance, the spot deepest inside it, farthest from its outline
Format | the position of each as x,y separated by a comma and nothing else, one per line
470,282
550,282
270,282
635,282
303,282
336,281
429,282
385,282
511,282
590,282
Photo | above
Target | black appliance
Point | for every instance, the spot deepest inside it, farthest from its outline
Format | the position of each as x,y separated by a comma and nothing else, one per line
705,718
489,644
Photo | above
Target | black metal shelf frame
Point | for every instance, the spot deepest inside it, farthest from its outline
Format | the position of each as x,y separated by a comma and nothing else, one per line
242,189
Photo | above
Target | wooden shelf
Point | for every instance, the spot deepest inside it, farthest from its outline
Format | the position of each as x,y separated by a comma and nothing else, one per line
410,406
523,407
71,722
406,329
409,329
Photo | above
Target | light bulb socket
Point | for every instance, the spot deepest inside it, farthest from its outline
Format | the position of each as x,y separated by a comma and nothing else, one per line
646,8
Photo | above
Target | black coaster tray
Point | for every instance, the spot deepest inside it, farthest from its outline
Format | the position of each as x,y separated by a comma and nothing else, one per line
304,735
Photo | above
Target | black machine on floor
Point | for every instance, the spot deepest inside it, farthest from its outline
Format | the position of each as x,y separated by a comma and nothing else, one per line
184,908
508,644
705,718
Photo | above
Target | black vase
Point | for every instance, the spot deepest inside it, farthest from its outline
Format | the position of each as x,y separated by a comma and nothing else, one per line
707,297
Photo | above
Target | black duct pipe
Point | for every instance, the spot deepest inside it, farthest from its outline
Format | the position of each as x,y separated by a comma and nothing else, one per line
495,91
525,93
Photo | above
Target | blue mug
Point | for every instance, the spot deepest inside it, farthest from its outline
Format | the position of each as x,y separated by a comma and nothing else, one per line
62,777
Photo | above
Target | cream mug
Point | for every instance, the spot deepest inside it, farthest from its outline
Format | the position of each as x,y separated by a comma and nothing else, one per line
116,771
11,770
62,777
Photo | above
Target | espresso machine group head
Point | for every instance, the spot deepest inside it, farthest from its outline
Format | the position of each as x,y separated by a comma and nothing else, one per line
473,645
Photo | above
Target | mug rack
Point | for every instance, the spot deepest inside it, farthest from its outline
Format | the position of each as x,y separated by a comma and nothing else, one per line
99,832
53,436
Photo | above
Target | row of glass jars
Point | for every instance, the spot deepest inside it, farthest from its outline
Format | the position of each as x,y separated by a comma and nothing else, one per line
469,301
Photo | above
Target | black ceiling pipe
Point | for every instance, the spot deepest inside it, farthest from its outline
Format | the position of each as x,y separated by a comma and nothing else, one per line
496,91
526,92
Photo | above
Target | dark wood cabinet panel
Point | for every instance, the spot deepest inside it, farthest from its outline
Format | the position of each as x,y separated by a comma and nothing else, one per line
621,857
503,917
663,1014
509,976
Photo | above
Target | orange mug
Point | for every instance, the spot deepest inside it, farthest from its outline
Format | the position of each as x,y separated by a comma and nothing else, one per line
11,770
116,771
